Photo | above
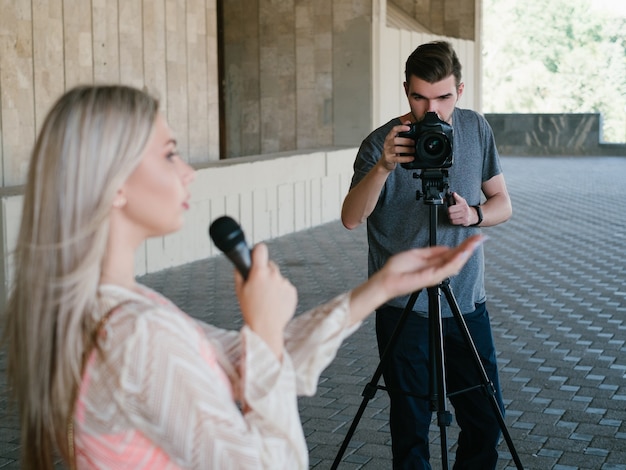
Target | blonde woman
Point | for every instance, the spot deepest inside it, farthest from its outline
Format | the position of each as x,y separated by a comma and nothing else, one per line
110,374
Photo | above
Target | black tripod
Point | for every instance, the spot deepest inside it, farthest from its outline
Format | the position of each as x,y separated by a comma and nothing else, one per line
434,187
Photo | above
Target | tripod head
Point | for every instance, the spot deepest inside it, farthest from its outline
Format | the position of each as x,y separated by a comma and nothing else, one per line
434,186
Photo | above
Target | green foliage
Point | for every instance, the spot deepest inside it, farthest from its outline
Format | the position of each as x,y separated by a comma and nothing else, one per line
559,56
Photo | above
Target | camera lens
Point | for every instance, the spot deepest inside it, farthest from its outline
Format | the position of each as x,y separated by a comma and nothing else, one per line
433,145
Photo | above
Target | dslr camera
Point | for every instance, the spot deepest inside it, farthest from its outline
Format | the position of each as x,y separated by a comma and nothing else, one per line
433,143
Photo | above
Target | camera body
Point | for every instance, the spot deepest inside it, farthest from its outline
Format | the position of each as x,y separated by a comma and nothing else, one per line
433,143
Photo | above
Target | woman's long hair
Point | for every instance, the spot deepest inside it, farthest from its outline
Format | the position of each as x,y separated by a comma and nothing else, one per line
90,142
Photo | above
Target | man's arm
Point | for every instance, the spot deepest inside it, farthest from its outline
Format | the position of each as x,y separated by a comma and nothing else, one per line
497,207
495,210
362,198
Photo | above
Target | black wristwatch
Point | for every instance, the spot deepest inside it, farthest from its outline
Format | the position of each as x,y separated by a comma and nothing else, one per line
479,212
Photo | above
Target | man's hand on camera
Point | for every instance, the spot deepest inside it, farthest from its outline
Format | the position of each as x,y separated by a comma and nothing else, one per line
395,149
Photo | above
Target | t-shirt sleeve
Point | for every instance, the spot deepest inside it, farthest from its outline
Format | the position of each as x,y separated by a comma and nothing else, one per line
491,160
370,152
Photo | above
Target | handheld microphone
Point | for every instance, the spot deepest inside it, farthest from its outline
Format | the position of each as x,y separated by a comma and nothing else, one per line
229,238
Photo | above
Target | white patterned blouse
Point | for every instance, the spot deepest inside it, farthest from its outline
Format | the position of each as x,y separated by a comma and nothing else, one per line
169,391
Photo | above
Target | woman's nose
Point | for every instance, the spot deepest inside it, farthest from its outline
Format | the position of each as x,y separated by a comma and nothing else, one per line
188,173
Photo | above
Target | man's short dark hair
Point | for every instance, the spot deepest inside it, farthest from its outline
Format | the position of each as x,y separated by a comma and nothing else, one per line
433,62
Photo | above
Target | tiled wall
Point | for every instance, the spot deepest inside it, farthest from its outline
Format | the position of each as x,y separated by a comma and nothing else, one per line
48,46
325,73
551,134
454,18
270,196
296,74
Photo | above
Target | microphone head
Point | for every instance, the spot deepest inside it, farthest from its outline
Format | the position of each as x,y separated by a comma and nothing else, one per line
226,233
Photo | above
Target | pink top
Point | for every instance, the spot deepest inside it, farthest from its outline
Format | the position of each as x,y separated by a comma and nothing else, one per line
175,392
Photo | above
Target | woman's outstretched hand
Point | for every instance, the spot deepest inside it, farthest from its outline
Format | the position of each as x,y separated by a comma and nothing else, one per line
410,271
268,300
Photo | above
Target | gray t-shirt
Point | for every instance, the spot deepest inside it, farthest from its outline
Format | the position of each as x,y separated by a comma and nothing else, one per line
399,221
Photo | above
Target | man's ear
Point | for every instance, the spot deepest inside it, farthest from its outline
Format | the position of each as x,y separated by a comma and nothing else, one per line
406,89
459,90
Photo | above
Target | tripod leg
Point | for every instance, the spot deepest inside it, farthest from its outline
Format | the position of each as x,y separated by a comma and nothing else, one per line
437,372
372,385
486,382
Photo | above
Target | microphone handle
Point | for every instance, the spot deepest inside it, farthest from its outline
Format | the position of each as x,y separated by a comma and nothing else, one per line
240,257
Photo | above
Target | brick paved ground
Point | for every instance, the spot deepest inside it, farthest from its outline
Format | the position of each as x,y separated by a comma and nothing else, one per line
555,282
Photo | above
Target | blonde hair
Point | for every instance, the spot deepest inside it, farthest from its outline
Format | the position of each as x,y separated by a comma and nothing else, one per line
90,142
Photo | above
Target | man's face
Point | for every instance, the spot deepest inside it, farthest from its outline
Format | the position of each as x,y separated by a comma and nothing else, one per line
439,97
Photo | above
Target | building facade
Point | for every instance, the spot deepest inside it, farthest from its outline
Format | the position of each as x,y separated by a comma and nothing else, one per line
268,98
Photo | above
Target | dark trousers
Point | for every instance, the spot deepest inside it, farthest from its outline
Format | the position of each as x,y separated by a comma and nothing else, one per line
407,370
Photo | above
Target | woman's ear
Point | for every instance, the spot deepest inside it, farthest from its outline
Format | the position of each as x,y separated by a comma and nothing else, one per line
120,200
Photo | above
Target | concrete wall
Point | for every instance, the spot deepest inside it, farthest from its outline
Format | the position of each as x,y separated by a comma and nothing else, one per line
391,46
48,46
270,196
328,71
551,134
296,74
305,74
454,18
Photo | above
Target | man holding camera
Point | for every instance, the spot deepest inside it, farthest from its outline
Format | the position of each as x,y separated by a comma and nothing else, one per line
383,192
